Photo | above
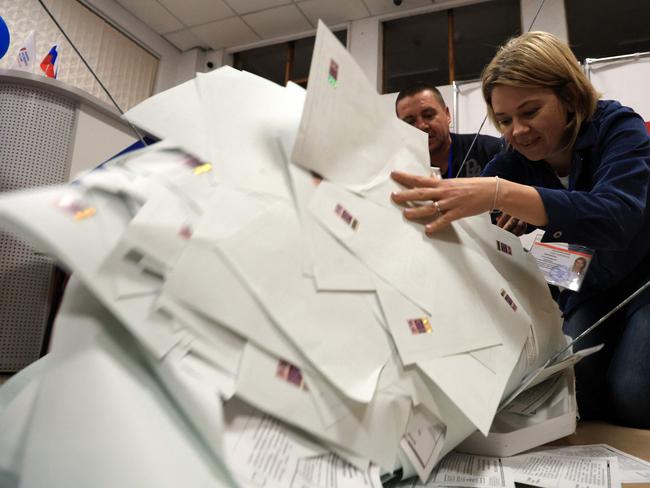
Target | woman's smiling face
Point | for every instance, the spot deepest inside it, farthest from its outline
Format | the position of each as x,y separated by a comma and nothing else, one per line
533,121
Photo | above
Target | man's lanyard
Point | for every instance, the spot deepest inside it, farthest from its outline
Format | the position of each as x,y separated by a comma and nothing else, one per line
450,168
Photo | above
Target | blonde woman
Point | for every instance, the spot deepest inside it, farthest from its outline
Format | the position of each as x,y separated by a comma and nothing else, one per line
579,168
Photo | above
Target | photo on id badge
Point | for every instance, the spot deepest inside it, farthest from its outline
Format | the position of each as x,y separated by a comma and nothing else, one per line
571,272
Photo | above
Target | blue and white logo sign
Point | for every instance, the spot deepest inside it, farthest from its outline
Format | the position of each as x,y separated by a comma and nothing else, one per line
4,38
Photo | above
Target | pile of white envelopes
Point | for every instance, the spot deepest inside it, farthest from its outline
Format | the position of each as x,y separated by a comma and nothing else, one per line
217,266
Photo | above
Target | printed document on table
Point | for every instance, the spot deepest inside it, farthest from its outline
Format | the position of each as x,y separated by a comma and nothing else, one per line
467,471
631,468
263,452
557,471
423,441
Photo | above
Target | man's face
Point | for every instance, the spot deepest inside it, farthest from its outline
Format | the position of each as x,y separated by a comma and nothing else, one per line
424,111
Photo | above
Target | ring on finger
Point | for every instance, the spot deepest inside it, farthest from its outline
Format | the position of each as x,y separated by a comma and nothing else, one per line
435,204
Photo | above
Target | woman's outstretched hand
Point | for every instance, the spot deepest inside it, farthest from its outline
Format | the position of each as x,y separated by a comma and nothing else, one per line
436,203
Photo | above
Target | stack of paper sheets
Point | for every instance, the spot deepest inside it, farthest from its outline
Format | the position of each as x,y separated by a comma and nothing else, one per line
254,258
590,466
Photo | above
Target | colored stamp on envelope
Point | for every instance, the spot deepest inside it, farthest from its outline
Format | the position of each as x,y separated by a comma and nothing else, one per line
346,216
291,374
198,168
333,74
420,326
509,300
76,207
505,248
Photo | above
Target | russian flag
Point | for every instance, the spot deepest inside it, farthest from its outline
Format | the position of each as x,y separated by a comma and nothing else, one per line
48,65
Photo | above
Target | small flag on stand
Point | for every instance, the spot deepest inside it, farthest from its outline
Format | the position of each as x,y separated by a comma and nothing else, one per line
25,55
48,65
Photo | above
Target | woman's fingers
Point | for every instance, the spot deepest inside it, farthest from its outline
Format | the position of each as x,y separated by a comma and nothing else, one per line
502,220
440,223
520,228
511,224
414,195
422,212
444,200
414,181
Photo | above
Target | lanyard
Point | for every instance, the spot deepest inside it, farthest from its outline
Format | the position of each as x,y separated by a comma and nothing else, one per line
450,169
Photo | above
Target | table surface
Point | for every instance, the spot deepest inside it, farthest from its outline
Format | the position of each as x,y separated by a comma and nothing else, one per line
632,441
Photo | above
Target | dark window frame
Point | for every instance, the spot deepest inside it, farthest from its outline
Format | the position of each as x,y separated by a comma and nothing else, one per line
586,44
289,57
451,47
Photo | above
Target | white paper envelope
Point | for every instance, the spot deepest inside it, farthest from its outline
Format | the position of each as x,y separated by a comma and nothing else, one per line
161,229
426,394
505,252
404,159
16,409
485,375
97,392
174,114
372,433
473,387
420,336
332,265
204,282
81,229
526,283
341,96
130,273
244,145
433,273
423,441
206,339
323,325
294,101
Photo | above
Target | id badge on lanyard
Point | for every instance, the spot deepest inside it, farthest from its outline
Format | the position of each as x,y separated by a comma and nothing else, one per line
562,264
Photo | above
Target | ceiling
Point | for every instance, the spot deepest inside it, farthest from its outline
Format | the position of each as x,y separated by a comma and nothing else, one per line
216,24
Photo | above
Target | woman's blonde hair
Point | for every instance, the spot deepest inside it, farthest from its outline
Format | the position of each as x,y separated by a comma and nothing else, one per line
541,60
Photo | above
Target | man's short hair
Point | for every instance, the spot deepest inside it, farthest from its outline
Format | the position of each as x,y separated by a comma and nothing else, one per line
418,88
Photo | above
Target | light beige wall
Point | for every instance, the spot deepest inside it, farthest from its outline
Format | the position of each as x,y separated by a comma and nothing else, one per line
125,68
97,138
551,18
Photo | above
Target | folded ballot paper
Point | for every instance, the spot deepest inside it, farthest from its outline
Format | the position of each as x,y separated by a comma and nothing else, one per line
246,292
